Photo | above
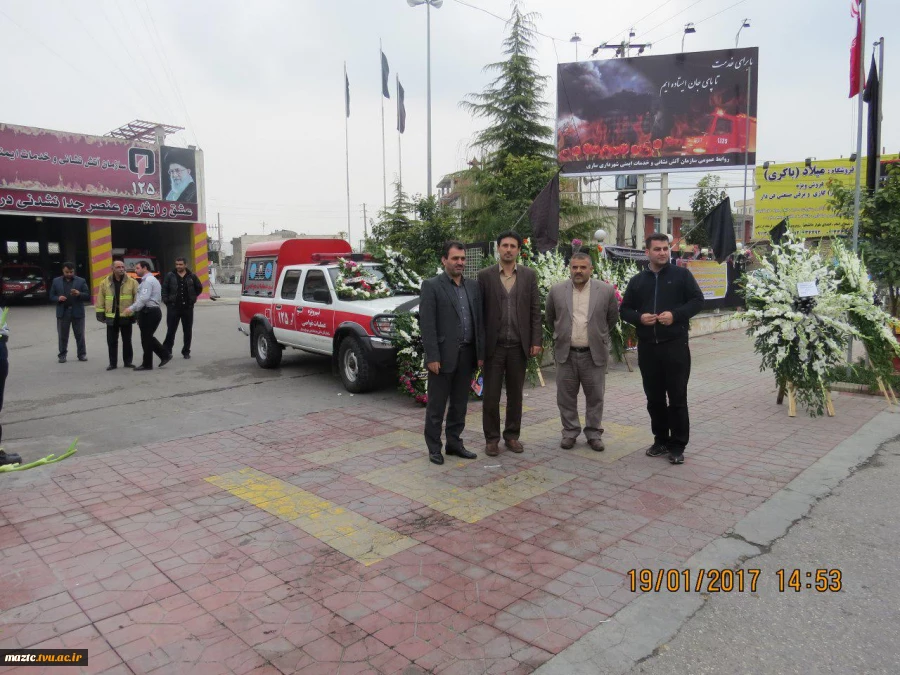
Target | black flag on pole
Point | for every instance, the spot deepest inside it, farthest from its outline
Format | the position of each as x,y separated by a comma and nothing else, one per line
385,75
346,93
873,152
776,234
544,216
401,107
719,226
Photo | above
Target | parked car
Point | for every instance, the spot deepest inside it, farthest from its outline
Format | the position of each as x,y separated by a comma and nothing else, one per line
24,282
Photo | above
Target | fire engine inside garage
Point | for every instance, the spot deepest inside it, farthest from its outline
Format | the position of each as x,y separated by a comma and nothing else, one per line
68,196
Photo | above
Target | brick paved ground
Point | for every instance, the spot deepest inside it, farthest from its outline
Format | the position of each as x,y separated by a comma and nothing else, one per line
328,544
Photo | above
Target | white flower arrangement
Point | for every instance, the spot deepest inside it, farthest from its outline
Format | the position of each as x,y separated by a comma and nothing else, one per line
354,282
400,278
801,340
617,275
875,326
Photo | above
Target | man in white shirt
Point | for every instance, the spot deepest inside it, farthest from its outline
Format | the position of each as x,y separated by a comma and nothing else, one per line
149,314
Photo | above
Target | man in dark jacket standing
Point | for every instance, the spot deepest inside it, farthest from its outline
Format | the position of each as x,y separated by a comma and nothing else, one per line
660,301
450,321
513,332
70,293
179,293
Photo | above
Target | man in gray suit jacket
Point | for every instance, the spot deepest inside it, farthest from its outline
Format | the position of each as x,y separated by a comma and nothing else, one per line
450,320
582,311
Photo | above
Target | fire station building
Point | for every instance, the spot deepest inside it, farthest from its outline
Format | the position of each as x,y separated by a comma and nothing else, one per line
68,196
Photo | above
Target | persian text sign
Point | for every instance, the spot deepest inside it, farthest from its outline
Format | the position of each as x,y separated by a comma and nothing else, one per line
711,276
96,206
800,193
677,112
43,160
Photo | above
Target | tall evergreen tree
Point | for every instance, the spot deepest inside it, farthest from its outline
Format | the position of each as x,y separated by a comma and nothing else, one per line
513,103
517,155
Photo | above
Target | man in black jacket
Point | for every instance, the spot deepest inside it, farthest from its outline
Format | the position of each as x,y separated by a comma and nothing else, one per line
179,293
450,320
660,301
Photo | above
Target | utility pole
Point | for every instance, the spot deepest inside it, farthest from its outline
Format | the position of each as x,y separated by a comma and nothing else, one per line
219,232
623,49
365,220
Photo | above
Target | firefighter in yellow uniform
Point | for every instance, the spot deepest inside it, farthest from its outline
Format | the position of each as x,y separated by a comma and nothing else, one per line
117,291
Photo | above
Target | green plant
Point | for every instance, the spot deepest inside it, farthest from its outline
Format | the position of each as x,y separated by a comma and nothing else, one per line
879,230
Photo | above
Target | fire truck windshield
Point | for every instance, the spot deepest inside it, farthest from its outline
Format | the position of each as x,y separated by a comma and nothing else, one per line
377,274
129,263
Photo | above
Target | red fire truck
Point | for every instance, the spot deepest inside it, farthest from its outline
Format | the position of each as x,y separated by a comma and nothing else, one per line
723,134
288,300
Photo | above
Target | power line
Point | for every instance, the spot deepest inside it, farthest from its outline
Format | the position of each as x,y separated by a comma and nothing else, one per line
635,23
165,64
115,62
140,52
36,38
712,16
663,23
506,20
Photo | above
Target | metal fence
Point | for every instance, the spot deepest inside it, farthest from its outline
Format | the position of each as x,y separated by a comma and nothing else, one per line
476,252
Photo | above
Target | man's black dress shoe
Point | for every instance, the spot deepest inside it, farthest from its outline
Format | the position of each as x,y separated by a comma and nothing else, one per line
461,452
435,458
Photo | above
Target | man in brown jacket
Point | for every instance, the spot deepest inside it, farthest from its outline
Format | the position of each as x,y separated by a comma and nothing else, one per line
582,311
512,326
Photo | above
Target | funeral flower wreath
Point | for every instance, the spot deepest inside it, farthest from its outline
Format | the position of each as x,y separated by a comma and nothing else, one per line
800,339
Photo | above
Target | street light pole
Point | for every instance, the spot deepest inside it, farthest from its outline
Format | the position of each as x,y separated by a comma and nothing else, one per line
744,24
428,119
688,29
576,38
428,4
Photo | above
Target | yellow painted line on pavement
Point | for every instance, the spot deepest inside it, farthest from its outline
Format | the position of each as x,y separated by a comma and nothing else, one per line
353,535
420,482
340,453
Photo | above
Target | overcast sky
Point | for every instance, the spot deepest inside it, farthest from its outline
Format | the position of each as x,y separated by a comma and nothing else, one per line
259,86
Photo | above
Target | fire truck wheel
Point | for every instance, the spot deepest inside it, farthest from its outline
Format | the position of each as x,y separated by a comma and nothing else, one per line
356,371
268,351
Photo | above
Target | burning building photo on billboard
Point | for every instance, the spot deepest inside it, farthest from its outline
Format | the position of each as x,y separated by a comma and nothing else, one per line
694,111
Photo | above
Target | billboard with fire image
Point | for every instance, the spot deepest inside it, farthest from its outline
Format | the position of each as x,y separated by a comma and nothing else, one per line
654,114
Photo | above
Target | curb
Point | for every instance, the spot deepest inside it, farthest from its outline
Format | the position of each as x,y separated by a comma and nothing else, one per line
636,631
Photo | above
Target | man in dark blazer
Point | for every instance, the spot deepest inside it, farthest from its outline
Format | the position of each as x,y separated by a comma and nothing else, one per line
512,330
70,293
450,321
582,312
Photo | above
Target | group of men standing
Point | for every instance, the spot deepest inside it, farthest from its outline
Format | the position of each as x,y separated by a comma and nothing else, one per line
495,323
121,301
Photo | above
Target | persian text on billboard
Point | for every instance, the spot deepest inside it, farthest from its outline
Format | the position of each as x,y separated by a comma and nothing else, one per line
800,193
711,276
678,112
39,159
95,206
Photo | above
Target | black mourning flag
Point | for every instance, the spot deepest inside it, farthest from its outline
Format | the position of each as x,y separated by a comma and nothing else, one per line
719,225
776,234
873,152
544,217
385,74
401,107
346,93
